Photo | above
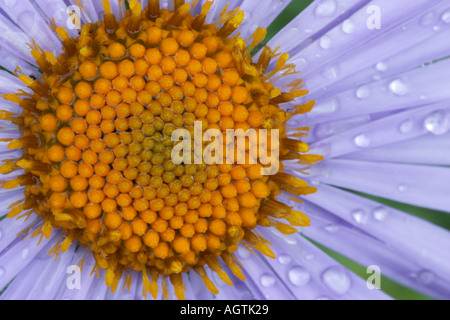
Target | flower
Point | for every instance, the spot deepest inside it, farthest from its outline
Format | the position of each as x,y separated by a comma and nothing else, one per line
380,122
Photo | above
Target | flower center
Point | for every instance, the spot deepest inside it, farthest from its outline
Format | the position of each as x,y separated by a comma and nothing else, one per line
97,140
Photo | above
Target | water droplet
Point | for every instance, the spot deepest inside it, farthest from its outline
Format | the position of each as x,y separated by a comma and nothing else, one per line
362,141
381,66
25,253
0,234
243,252
348,26
423,97
426,277
363,92
446,16
326,8
267,280
359,216
330,73
406,126
301,62
402,188
427,19
332,228
437,123
284,259
436,28
380,213
299,276
309,257
398,87
324,108
337,280
290,240
325,42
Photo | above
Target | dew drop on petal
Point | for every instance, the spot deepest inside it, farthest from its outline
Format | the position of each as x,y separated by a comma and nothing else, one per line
425,277
402,188
359,216
332,228
325,42
309,257
25,253
381,66
398,87
406,126
299,276
380,213
325,108
446,16
243,253
267,280
284,259
362,141
301,62
10,3
330,73
337,280
437,123
348,26
427,19
326,8
0,234
363,92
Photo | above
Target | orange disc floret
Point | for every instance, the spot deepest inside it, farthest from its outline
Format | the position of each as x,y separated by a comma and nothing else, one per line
108,70
49,122
126,68
181,245
66,136
186,38
169,46
83,90
88,70
102,86
81,107
56,153
64,113
137,50
65,95
134,244
117,51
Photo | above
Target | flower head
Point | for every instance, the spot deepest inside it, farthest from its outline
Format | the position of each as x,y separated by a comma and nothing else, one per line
102,176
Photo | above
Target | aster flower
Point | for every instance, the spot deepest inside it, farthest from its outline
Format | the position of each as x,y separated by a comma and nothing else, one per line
374,72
